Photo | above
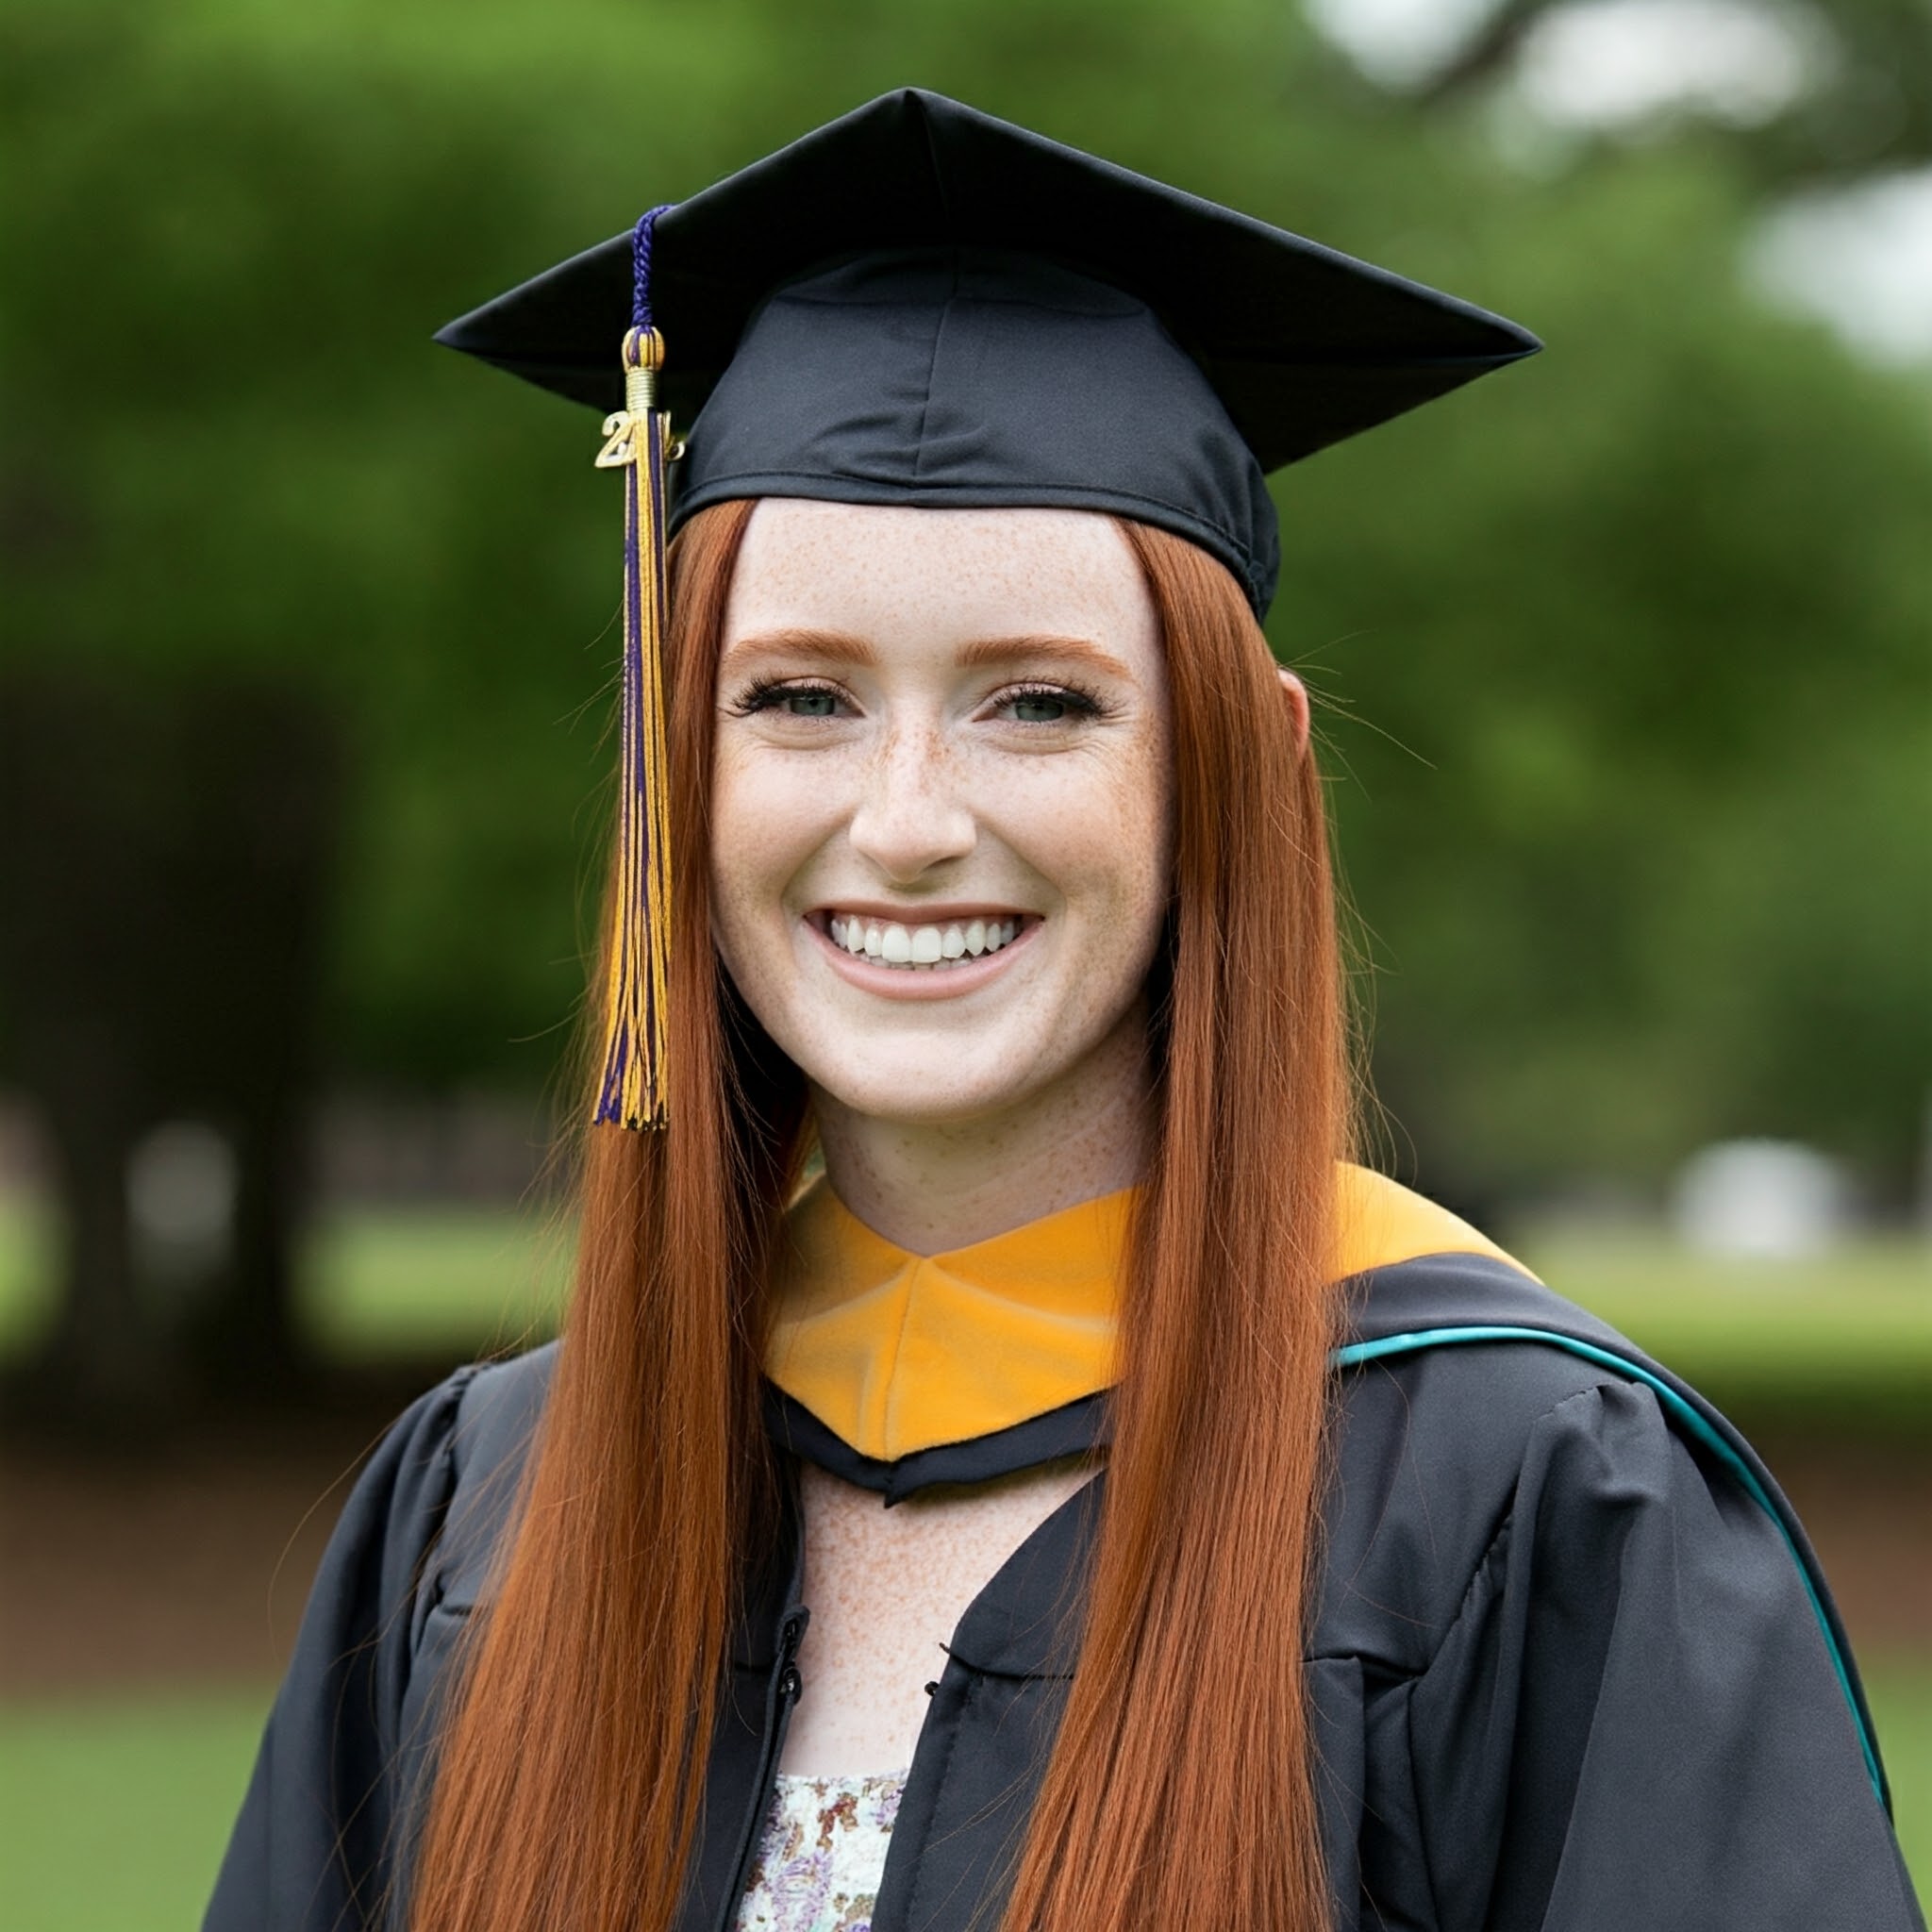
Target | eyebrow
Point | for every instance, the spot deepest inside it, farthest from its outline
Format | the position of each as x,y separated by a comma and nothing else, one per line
815,646
842,647
986,652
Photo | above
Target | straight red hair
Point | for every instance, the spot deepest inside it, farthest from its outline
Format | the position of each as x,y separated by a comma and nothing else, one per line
1180,1790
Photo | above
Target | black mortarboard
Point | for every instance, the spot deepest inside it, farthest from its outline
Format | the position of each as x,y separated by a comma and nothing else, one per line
918,304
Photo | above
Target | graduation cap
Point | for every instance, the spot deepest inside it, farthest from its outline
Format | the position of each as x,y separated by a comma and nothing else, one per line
918,304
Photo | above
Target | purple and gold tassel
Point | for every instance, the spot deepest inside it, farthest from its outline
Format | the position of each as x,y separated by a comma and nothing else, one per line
633,1091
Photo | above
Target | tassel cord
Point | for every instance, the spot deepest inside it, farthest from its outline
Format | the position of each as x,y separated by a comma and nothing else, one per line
633,1091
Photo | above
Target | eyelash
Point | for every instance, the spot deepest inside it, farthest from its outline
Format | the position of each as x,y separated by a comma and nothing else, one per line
768,693
1077,698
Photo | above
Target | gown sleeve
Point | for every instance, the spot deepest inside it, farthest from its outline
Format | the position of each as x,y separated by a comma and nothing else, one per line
1634,1721
310,1850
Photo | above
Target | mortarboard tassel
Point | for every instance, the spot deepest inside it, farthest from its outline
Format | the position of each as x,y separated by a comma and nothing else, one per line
633,1090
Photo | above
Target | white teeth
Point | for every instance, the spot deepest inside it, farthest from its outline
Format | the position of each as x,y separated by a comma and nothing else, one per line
920,948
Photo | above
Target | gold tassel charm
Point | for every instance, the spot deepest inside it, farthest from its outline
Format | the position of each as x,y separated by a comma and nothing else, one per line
634,1089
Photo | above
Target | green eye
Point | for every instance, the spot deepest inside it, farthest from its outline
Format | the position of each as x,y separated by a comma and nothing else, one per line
809,703
1037,707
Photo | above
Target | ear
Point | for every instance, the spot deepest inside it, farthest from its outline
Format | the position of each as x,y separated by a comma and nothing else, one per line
1296,694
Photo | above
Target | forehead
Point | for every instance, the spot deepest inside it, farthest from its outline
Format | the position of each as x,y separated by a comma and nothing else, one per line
886,571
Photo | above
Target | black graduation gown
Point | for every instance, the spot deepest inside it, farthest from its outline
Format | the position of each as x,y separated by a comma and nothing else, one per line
1573,1664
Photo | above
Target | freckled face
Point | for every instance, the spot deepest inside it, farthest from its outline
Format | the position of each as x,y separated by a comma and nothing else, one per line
941,799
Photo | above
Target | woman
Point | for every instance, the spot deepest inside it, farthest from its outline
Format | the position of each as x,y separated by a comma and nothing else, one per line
1087,1502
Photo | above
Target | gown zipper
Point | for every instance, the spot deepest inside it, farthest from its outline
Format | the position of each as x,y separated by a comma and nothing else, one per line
781,1695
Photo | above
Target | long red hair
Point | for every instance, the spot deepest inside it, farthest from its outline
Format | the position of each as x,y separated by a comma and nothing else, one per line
1180,1790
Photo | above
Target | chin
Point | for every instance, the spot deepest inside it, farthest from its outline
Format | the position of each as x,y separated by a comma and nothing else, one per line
914,1099
929,1088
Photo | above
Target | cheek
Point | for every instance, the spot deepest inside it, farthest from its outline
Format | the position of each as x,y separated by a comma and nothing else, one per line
1101,832
1138,835
763,826
1139,860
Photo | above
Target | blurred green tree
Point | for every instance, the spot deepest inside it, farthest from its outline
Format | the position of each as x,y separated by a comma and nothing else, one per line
1627,649
1866,107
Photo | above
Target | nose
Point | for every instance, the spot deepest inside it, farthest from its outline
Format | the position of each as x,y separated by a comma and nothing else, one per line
910,815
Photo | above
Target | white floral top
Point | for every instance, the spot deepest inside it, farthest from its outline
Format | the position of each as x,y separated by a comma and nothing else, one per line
819,1861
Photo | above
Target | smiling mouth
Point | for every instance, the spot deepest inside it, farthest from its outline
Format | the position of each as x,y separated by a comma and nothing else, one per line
937,948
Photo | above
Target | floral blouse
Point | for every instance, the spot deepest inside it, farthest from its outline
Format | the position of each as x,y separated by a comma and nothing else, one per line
822,1850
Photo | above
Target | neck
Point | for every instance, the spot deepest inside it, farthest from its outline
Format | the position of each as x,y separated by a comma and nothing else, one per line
933,1185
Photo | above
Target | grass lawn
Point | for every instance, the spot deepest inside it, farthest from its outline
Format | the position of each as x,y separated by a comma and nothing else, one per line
1844,1337
1901,1694
380,1281
375,1282
113,1813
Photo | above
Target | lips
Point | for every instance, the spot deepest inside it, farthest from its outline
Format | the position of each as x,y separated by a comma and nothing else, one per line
937,947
